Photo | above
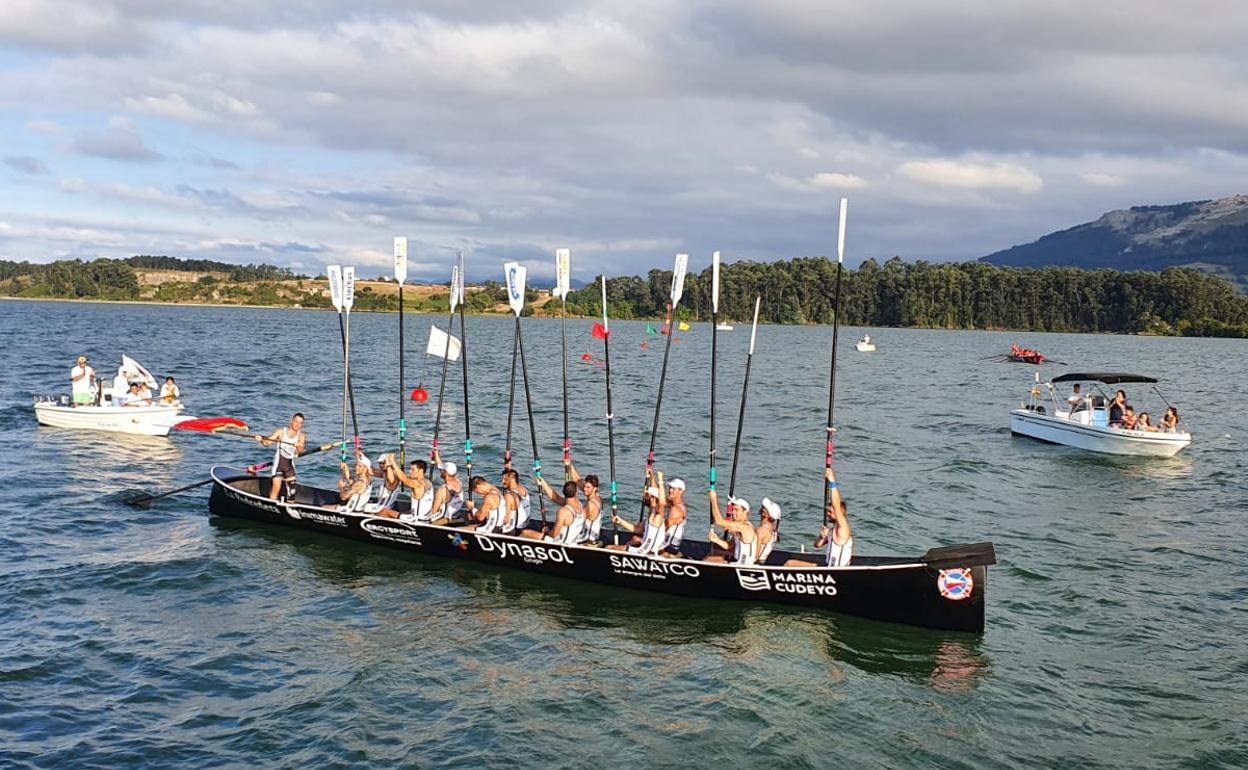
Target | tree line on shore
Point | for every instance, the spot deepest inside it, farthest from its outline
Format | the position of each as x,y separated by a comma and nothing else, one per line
967,295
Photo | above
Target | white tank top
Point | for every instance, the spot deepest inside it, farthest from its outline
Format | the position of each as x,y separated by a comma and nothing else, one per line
840,555
285,447
743,553
386,498
453,503
422,509
523,509
593,529
766,550
673,536
494,519
651,539
572,534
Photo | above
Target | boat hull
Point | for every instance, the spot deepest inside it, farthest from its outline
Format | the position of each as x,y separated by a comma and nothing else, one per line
139,420
1059,430
898,590
865,347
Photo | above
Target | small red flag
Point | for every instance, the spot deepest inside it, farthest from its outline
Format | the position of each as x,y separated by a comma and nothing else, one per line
599,332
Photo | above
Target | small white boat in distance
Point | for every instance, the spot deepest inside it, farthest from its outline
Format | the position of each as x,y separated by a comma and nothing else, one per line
1083,421
865,345
723,327
155,420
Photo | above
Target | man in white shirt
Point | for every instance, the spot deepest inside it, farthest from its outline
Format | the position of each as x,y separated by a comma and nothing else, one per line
82,382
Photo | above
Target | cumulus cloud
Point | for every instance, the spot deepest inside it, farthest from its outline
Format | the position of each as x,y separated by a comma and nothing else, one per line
117,142
26,164
1009,177
1098,179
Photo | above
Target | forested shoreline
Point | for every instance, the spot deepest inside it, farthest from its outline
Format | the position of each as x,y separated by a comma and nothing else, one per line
967,295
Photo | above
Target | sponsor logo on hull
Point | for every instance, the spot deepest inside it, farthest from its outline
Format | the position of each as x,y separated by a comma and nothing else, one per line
385,529
647,567
955,584
812,583
537,554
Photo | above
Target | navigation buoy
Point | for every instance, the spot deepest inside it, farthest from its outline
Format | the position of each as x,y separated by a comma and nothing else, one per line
420,394
586,357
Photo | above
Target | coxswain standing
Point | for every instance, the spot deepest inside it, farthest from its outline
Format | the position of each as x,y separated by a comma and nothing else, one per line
82,382
837,539
744,546
290,442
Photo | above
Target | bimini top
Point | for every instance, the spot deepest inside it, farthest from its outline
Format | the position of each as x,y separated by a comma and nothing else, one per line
1108,378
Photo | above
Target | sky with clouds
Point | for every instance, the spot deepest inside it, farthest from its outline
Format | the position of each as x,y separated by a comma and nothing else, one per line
307,132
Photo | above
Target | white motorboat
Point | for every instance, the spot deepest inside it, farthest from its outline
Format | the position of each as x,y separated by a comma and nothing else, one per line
108,412
1083,421
723,327
155,420
865,345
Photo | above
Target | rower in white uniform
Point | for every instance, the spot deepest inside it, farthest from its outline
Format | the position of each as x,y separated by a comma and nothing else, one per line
768,529
490,515
290,441
836,540
449,498
520,500
569,519
421,490
588,486
744,546
391,486
677,512
653,527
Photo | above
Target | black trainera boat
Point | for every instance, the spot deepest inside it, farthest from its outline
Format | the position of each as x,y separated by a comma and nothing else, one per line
944,588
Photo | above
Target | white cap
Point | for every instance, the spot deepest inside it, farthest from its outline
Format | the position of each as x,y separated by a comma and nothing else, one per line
676,484
360,457
652,491
739,502
450,468
773,510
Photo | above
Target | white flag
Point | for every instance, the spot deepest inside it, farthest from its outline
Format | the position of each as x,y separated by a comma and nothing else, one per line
437,344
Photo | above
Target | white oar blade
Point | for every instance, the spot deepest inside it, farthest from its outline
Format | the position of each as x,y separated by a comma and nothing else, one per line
400,259
758,301
454,287
348,288
459,281
563,273
840,238
678,278
715,282
605,326
438,344
335,286
515,273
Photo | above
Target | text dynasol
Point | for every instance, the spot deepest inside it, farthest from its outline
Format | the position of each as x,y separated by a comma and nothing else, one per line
533,554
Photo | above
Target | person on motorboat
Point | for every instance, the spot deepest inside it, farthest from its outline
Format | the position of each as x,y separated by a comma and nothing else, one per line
121,386
1076,401
654,526
1170,422
136,398
837,538
677,514
521,502
1128,418
290,441
744,546
82,382
569,519
1117,408
169,393
768,528
449,498
145,392
490,515
1142,423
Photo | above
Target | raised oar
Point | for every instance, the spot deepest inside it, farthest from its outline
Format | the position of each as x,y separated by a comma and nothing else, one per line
606,353
446,355
511,396
745,389
563,282
836,325
678,287
714,349
400,275
515,273
463,352
335,292
348,299
143,501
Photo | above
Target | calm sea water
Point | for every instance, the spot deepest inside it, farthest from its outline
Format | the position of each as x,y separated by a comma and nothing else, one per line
165,638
